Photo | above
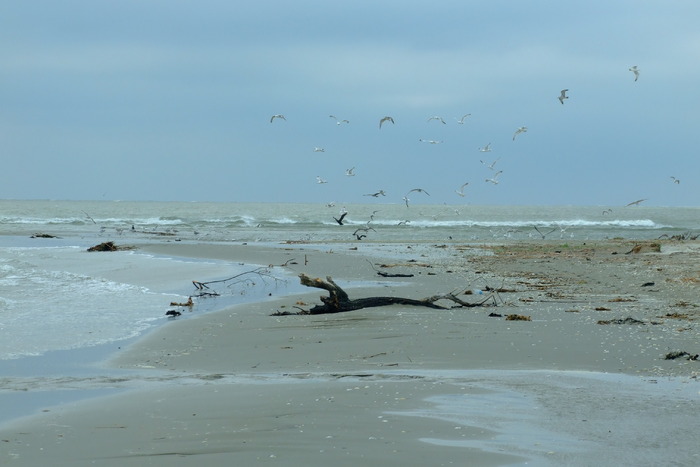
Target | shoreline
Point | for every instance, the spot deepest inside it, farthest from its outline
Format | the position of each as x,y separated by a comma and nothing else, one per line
377,354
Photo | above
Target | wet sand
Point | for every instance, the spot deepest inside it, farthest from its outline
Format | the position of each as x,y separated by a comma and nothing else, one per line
578,383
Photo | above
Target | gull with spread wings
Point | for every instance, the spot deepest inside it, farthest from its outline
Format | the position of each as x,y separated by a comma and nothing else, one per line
635,70
418,190
563,96
385,119
460,192
635,203
438,118
522,129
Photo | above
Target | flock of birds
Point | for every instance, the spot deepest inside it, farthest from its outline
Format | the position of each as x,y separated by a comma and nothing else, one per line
493,179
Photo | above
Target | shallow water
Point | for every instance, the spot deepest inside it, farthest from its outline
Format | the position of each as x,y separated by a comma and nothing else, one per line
63,309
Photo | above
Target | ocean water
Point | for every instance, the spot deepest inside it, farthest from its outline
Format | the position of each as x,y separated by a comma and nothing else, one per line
54,295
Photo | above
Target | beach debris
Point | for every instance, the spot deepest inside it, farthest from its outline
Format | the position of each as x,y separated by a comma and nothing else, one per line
628,320
681,353
681,237
514,317
648,284
188,303
246,278
338,300
386,274
43,235
172,313
109,246
645,247
676,315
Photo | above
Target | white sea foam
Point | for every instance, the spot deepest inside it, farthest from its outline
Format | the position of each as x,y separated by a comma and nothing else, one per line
61,298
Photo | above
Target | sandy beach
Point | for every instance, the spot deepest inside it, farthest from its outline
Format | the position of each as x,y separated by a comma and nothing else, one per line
583,377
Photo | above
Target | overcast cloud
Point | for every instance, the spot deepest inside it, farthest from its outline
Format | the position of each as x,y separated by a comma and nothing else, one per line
171,100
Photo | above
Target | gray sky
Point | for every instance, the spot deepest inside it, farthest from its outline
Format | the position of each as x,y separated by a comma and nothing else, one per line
171,100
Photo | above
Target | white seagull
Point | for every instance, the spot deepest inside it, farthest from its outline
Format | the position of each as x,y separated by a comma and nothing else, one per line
635,203
317,149
486,148
438,118
321,180
431,141
385,119
338,122
377,194
635,70
277,116
494,179
563,96
490,166
460,192
349,172
675,180
461,120
522,129
419,190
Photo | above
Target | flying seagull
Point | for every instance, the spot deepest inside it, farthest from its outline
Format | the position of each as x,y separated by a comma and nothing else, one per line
343,213
438,118
635,203
486,148
461,120
635,70
494,179
431,141
675,180
349,172
362,229
317,149
377,194
321,180
563,96
419,190
460,192
385,119
522,129
338,122
490,166
277,116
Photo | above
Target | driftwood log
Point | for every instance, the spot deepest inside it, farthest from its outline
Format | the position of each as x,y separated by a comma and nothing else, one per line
338,301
